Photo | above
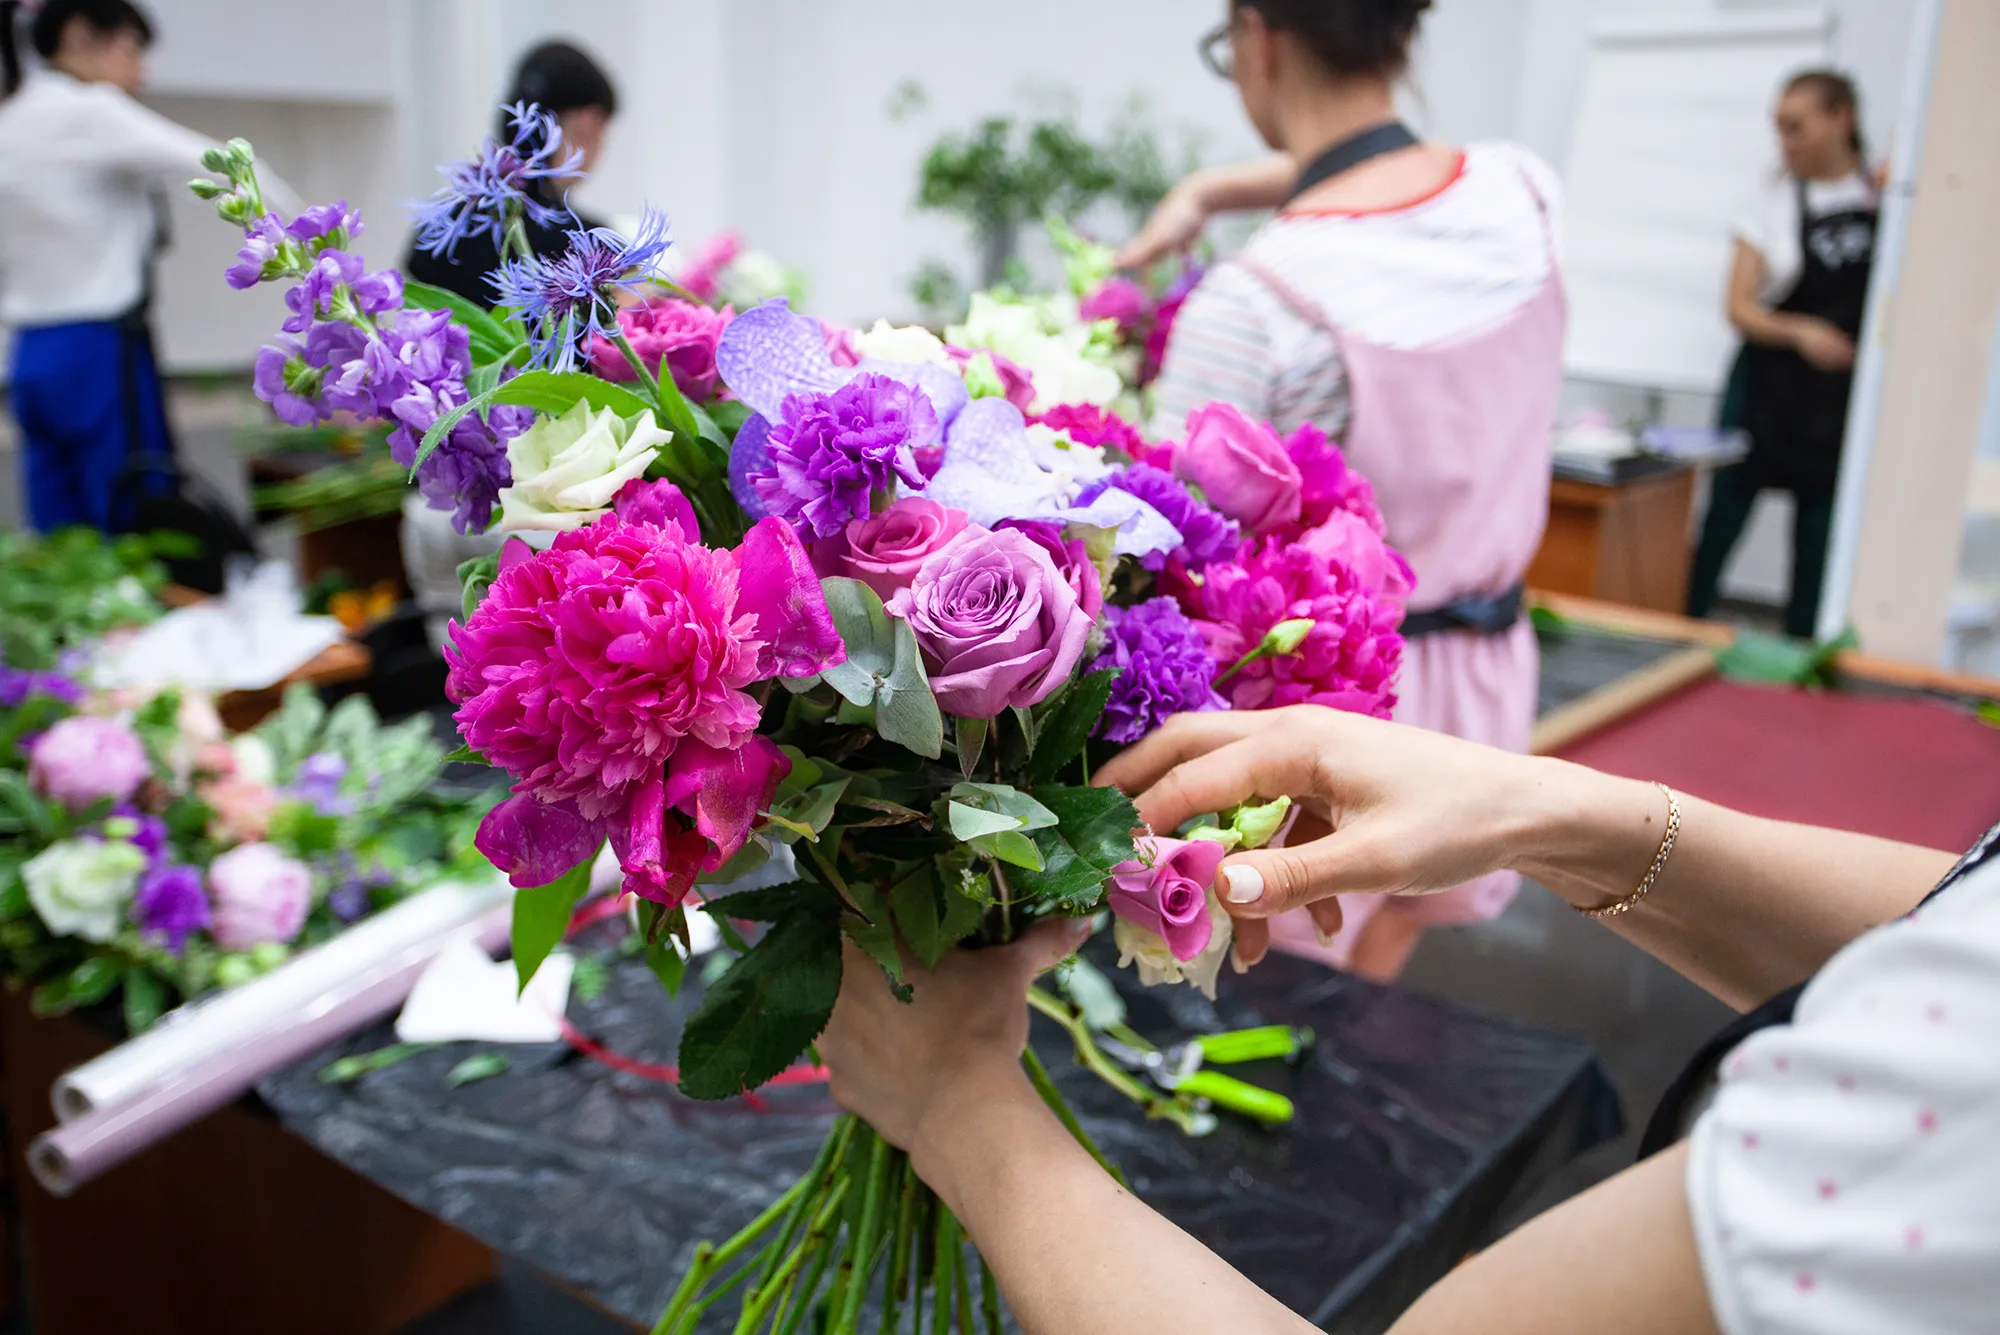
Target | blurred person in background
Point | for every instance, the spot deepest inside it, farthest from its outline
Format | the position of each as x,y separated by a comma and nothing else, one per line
1797,291
563,81
1406,299
83,174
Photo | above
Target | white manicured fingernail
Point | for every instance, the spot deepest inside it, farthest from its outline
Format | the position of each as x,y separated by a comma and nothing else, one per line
1245,884
1325,937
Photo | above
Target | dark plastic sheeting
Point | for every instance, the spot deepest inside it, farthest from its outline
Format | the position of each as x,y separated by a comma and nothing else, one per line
1416,1121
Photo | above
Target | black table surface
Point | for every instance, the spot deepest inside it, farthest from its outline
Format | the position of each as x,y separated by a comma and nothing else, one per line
1416,1122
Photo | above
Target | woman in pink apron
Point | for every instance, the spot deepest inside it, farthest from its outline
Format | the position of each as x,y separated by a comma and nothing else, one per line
1406,299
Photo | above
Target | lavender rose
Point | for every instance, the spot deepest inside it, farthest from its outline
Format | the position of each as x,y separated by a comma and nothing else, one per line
260,895
85,758
1241,467
885,550
998,623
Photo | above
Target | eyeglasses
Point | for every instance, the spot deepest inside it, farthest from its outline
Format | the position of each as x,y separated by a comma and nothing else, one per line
1217,52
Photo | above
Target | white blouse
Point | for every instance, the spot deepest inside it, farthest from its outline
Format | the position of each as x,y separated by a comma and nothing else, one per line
1846,1179
78,164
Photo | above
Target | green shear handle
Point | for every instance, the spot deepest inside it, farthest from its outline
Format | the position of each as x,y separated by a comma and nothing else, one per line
1239,1096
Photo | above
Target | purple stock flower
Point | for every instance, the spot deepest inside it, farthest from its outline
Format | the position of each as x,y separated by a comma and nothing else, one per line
170,903
330,225
831,453
1164,669
565,300
284,380
315,294
17,684
1206,534
479,193
466,471
261,240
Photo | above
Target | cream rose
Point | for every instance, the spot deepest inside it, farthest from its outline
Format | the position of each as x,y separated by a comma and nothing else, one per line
567,469
80,887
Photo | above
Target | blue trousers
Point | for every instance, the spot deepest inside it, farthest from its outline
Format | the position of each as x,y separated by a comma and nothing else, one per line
88,399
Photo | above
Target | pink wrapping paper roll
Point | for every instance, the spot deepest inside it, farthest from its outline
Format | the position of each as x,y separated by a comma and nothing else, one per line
66,1157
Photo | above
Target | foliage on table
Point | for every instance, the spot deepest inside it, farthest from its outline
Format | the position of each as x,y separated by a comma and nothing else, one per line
817,629
61,591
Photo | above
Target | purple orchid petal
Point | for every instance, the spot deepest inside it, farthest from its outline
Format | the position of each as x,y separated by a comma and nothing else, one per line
750,454
534,842
768,352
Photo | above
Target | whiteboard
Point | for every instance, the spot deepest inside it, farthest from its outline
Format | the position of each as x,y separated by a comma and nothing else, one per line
1672,137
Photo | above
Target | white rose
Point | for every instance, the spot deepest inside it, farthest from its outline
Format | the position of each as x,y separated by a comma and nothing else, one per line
904,343
1049,347
567,469
81,886
1157,964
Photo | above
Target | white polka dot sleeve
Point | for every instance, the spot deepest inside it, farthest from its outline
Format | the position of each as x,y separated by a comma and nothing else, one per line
1846,1178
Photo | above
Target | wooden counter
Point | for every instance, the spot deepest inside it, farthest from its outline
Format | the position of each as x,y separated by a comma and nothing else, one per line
1624,542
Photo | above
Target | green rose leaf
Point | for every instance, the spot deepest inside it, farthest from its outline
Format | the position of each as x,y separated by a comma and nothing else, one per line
1069,725
931,916
541,917
551,393
771,903
145,998
876,933
760,1015
969,736
491,340
1093,836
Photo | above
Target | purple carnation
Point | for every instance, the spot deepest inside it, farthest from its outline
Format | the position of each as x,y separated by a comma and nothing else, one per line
1206,534
830,454
17,684
1164,669
170,903
149,833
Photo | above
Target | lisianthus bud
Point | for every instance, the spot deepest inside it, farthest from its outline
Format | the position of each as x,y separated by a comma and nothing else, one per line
1286,636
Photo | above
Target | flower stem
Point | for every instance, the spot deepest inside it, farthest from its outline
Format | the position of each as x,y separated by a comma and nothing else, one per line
646,376
1038,1076
989,1298
1093,1057
760,1299
514,236
861,1243
1261,651
949,1263
789,1316
697,1274
896,1280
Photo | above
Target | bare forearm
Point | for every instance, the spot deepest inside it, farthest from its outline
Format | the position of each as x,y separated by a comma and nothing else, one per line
1260,184
1744,906
1073,1251
1760,324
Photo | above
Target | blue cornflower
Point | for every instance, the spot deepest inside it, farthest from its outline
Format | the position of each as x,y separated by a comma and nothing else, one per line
480,193
566,300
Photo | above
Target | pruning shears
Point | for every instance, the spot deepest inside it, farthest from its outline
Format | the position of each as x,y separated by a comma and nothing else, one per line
1181,1069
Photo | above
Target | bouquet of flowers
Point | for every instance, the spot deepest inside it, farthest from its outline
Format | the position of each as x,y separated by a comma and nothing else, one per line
145,854
827,610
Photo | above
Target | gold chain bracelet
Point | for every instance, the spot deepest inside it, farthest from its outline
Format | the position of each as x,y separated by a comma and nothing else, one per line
1631,901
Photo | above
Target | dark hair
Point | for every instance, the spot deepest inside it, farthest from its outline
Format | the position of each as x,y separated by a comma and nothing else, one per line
557,77
1351,37
104,16
1836,92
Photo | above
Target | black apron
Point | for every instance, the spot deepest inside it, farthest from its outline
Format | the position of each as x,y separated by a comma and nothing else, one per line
1795,413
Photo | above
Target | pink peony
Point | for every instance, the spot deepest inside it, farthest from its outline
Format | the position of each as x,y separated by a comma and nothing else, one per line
1349,658
1241,467
666,332
884,550
656,503
1117,298
608,676
702,278
1161,331
839,341
242,809
1166,892
259,894
1015,381
1328,485
85,759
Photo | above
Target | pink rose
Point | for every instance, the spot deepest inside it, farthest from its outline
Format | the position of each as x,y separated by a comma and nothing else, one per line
1117,298
85,759
678,335
242,809
1169,898
884,550
260,895
998,623
1241,467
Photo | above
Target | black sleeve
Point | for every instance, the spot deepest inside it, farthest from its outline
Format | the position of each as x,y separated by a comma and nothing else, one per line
463,272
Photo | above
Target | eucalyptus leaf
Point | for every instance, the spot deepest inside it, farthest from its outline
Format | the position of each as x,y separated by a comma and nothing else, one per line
969,736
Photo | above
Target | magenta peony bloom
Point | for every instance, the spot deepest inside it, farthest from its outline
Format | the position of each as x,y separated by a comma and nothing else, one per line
677,334
260,895
85,758
655,503
1088,424
832,454
839,340
607,676
1161,331
1349,658
1328,485
1241,467
998,623
1166,893
703,275
1117,298
1015,380
883,551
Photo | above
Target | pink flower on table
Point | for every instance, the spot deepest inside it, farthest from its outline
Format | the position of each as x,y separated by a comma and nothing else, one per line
885,550
666,332
1241,467
999,625
259,895
86,758
1166,892
1348,660
608,676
